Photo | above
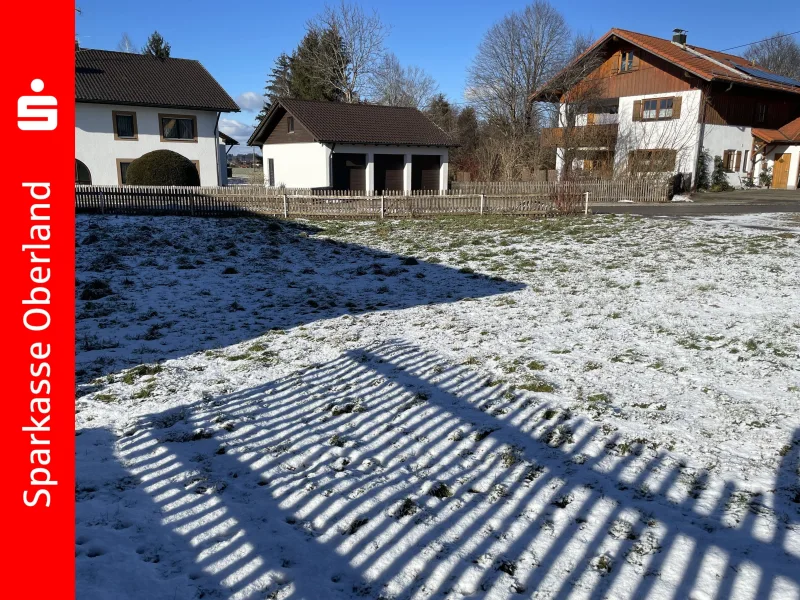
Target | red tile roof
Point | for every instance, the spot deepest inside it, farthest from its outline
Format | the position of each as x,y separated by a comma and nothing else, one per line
789,133
709,65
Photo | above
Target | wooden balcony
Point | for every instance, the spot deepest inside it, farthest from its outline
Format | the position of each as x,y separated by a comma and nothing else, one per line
588,136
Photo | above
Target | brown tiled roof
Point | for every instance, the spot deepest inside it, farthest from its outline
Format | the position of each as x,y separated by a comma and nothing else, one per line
789,133
700,66
106,77
343,123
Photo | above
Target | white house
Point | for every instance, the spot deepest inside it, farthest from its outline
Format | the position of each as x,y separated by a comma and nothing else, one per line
129,104
643,104
334,145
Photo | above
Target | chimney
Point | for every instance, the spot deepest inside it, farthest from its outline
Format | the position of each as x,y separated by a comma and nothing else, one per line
679,36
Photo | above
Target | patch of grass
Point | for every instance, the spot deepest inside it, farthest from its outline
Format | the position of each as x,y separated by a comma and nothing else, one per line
336,440
549,414
599,398
96,289
230,271
356,525
104,397
131,375
482,434
535,365
407,508
146,391
440,490
537,385
592,366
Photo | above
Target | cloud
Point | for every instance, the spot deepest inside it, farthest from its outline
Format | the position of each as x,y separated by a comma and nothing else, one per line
239,131
250,101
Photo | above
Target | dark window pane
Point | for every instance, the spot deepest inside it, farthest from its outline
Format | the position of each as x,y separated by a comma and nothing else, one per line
125,126
123,171
82,174
186,129
177,129
170,128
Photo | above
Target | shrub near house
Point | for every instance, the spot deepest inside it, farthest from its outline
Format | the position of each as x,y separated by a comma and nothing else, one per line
162,167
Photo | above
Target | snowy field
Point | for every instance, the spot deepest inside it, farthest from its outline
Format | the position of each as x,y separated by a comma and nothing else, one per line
570,408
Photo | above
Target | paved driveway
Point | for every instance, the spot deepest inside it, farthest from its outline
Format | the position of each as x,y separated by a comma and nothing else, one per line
723,203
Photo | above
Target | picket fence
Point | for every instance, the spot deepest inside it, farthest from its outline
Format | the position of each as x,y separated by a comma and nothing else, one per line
600,191
304,203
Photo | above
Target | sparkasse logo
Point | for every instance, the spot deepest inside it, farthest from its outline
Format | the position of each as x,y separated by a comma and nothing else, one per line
30,114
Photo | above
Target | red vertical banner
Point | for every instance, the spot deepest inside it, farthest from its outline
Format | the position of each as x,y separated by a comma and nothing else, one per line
38,116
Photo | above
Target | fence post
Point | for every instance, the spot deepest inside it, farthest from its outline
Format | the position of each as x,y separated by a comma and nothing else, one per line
191,203
482,202
586,207
102,203
382,207
285,207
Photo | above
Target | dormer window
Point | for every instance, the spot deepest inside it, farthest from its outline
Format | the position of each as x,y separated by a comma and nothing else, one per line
626,61
290,124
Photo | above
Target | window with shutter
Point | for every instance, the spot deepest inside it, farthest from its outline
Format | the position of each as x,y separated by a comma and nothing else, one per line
637,110
729,160
738,165
676,107
744,160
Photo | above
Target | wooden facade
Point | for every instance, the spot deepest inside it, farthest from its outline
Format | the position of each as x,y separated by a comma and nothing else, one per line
745,107
649,75
279,134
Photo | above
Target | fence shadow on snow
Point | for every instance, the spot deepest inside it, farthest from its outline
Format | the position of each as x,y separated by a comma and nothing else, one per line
177,290
530,512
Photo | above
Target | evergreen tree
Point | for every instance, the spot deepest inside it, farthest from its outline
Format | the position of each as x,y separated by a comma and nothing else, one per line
311,64
279,84
156,46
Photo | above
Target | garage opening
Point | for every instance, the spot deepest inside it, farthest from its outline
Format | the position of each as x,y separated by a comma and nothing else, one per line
425,172
389,172
350,172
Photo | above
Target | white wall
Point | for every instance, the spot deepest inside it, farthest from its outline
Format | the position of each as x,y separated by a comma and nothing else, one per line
719,138
96,147
794,164
307,165
299,165
680,134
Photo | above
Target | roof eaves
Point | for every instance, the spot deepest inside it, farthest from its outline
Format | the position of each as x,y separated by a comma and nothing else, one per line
156,105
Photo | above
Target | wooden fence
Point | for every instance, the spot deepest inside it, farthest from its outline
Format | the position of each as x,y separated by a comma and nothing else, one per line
286,203
626,190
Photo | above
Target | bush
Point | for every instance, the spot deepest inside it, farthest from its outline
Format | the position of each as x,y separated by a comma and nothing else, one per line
703,164
719,176
162,167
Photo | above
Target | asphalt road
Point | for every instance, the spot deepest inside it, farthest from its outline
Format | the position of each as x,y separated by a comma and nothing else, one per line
737,202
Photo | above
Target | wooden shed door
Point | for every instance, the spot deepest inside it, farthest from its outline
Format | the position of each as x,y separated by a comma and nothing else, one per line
425,172
350,172
389,172
780,171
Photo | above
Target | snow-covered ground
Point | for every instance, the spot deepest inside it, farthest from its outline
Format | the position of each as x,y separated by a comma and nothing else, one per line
451,408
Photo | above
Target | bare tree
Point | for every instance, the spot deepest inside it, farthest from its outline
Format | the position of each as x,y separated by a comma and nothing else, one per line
394,85
516,57
349,67
126,45
779,54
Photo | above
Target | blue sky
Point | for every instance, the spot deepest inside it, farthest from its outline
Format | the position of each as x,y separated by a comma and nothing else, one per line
238,42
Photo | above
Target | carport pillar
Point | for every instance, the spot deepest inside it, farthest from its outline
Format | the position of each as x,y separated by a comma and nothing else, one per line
370,183
407,172
443,172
